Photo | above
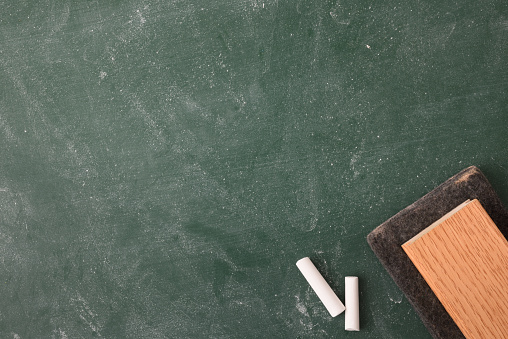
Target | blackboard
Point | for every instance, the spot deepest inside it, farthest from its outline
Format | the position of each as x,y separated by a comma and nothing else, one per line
164,164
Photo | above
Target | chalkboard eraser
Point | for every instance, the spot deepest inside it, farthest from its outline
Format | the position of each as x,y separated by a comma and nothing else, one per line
387,239
321,287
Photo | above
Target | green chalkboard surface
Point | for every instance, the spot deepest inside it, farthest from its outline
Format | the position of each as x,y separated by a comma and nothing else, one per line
164,164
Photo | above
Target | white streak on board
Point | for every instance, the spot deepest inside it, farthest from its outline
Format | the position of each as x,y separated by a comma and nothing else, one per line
62,334
304,320
340,15
87,315
301,307
396,301
6,129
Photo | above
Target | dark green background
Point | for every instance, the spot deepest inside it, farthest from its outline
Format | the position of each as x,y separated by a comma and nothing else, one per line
164,164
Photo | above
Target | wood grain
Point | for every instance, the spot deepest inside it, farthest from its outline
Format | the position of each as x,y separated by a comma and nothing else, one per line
464,259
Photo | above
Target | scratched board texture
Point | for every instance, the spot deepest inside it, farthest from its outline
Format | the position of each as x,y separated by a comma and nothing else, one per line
164,164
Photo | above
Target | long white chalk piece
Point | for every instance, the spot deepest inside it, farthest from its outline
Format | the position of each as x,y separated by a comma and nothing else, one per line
320,286
352,304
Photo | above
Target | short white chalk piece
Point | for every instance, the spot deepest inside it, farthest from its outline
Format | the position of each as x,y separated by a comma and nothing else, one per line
320,286
352,304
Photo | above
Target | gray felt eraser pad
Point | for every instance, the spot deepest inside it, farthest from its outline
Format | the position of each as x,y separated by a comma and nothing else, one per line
386,241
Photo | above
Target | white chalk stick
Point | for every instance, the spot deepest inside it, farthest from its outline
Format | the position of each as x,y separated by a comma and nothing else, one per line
352,304
320,286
